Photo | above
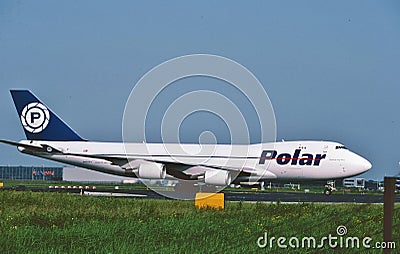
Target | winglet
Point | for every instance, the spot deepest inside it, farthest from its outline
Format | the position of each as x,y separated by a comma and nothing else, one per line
38,121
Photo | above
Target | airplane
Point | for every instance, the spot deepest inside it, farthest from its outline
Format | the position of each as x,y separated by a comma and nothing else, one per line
50,138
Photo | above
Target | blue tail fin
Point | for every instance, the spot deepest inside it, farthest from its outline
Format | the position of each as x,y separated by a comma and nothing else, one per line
38,121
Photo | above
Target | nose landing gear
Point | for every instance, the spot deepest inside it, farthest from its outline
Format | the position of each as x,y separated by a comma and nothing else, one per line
329,187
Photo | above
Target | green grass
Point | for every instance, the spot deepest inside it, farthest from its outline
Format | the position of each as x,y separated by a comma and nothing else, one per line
61,222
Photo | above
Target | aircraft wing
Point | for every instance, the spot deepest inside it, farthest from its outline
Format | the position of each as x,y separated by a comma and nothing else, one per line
188,171
36,148
122,161
177,169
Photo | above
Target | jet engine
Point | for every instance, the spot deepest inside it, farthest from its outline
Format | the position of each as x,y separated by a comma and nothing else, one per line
217,177
151,170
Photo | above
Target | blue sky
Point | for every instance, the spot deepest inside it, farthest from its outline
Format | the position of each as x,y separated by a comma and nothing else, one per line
331,69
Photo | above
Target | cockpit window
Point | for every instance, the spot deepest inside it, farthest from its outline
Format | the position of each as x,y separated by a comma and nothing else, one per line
341,147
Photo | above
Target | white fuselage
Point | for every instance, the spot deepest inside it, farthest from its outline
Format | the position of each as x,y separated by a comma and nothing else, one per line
297,160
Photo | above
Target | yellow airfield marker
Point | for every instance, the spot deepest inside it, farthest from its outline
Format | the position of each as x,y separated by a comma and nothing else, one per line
206,200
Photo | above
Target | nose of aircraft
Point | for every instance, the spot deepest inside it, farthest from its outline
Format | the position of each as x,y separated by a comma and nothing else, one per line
363,164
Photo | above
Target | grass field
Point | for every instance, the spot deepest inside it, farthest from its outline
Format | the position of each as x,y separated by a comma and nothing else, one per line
61,222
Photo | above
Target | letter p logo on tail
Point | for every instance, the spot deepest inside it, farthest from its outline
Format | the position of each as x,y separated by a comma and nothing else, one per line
38,121
35,117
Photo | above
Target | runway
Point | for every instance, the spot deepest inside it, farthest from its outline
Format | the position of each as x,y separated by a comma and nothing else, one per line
305,197
284,197
234,195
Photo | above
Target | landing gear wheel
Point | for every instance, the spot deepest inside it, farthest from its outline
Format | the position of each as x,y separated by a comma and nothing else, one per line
327,192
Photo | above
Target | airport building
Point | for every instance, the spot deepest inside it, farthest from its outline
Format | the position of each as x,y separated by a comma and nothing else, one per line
31,173
76,174
69,174
66,174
